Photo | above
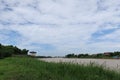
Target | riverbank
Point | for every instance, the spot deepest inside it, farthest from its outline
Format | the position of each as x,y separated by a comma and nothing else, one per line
113,64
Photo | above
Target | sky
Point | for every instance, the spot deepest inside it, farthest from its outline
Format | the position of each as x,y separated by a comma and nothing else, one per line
60,27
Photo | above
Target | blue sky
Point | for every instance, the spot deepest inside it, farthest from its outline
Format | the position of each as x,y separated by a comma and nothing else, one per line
59,27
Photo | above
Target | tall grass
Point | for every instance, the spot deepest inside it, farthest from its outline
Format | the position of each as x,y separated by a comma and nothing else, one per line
24,68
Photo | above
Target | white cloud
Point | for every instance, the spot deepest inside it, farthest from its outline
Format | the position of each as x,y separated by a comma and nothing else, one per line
68,25
113,36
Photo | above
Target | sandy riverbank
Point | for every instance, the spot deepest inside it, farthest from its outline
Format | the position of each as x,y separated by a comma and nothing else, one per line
108,63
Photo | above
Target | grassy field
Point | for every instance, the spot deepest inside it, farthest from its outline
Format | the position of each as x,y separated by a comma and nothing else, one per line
24,68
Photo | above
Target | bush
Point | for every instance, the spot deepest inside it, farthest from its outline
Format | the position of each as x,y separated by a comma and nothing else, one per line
9,50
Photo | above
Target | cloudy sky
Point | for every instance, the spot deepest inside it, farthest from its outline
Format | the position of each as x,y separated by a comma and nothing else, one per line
59,27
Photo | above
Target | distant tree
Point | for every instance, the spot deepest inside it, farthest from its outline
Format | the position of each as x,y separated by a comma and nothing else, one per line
17,51
70,55
8,51
99,55
0,45
86,55
80,55
83,55
24,51
1,55
117,53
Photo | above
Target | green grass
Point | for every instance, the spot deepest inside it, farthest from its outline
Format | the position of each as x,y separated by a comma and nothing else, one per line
24,68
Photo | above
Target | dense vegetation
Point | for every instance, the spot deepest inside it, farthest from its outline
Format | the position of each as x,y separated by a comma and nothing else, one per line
99,55
24,68
9,50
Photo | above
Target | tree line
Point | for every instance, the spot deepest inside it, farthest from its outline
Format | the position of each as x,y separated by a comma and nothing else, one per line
115,54
10,50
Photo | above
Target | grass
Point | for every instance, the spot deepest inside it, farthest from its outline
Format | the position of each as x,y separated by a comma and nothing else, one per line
24,68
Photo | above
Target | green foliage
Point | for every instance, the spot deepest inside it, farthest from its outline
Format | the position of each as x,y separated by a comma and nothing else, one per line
70,55
99,55
77,56
24,68
9,50
24,51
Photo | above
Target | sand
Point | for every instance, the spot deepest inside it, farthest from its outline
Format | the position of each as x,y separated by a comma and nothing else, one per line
113,64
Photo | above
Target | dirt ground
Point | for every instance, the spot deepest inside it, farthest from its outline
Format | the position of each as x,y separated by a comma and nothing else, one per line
113,64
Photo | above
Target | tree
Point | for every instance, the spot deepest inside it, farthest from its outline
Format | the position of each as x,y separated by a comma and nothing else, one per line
117,53
70,55
17,51
24,51
9,50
